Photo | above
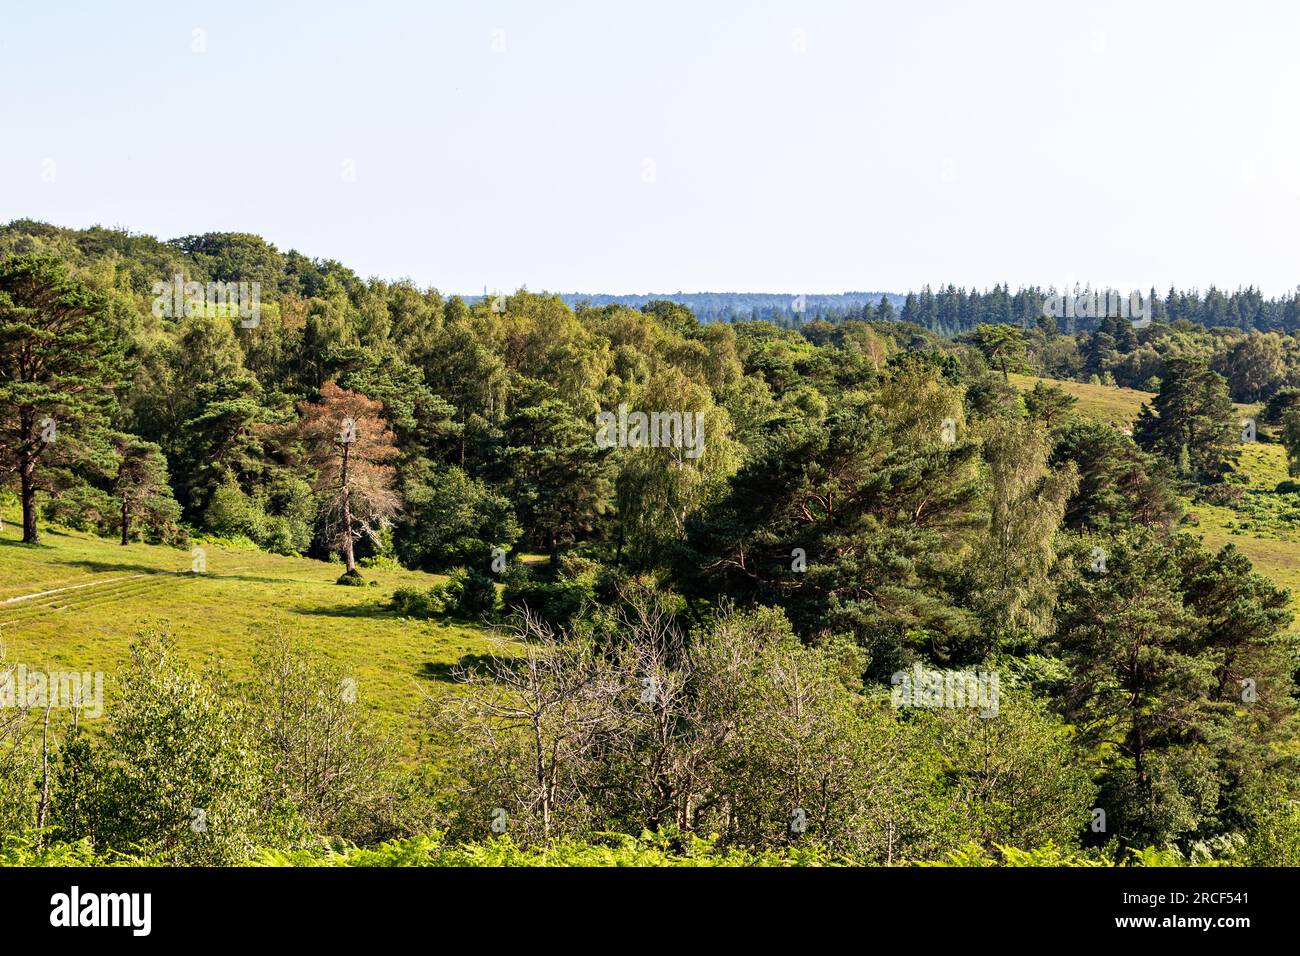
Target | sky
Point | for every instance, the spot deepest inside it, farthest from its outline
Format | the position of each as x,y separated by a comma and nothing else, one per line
675,146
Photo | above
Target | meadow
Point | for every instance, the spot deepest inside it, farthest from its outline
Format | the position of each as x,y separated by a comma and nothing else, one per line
102,594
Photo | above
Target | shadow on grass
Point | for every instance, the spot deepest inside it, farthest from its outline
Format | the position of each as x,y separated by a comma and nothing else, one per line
382,611
183,573
480,665
106,567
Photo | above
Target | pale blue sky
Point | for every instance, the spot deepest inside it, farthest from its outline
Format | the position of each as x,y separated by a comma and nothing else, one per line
790,146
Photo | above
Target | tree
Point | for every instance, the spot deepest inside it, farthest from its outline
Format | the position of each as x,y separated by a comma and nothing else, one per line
141,484
1254,365
1051,405
860,523
451,519
1192,422
1139,686
1291,440
349,446
176,775
1119,484
557,477
62,359
326,757
1026,500
659,488
1002,345
1016,773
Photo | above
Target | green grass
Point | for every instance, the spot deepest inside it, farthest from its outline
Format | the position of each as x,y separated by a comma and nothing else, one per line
1115,406
220,614
1106,403
1265,525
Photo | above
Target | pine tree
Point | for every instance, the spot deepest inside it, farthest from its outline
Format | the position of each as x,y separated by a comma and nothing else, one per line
62,359
1003,346
141,484
1192,421
349,445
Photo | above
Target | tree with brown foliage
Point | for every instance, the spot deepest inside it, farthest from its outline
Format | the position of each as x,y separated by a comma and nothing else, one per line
349,446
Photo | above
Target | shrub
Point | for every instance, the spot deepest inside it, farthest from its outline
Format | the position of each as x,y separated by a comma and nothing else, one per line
558,603
466,592
177,775
326,759
231,513
417,602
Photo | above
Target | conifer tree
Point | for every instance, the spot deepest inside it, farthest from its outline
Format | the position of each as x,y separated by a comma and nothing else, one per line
61,358
349,445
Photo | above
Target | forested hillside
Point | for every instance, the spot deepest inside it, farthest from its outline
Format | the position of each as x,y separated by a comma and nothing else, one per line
852,585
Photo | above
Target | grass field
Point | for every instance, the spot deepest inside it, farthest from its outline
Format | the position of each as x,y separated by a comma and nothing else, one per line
1115,406
113,591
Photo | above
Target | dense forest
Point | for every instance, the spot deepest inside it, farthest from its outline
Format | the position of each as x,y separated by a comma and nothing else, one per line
880,600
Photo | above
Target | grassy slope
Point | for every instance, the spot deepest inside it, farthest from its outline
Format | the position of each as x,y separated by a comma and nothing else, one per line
1274,551
219,614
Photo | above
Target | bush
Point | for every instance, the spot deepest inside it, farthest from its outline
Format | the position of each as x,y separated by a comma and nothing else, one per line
1224,495
417,602
281,523
465,592
560,601
468,593
177,775
327,760
232,513
351,578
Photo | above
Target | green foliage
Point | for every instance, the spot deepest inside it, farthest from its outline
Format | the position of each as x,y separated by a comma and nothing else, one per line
872,495
63,361
1192,422
451,519
466,593
1120,486
177,774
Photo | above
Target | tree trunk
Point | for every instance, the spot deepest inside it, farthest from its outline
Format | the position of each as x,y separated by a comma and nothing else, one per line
126,523
27,471
348,558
